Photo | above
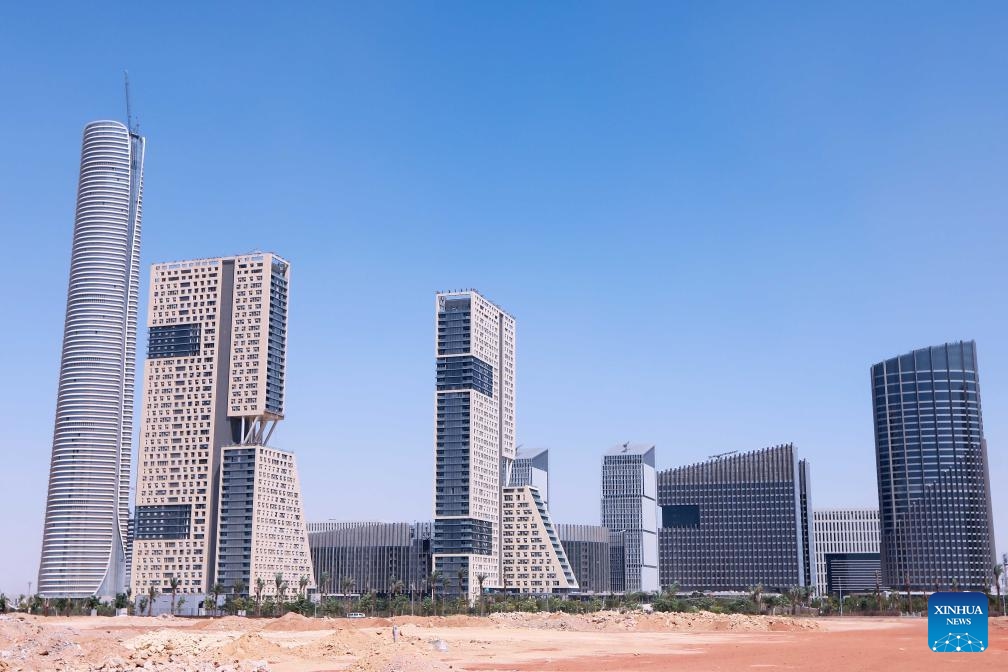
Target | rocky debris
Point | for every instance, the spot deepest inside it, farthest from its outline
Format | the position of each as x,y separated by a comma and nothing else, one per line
168,644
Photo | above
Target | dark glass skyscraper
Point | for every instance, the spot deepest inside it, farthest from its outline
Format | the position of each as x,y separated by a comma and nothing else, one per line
933,480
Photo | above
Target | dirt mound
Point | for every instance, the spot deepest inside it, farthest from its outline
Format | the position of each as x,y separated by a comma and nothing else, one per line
250,646
344,642
228,624
295,622
395,661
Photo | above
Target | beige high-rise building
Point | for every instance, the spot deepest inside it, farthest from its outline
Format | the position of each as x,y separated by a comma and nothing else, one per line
534,559
213,378
474,438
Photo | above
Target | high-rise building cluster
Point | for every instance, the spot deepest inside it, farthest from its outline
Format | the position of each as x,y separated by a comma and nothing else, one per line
217,505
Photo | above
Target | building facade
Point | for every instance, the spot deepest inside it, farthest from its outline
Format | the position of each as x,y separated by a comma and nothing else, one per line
213,378
474,435
87,506
587,549
933,480
629,511
358,557
736,521
531,467
261,528
847,549
327,525
534,559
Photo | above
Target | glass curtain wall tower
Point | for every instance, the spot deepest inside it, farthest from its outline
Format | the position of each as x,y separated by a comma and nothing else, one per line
933,480
474,438
87,508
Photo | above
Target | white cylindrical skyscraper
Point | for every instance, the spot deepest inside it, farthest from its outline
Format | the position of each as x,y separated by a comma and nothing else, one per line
87,508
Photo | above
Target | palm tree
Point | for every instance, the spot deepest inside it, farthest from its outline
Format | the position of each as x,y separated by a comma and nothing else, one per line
302,584
324,583
259,585
480,579
878,593
173,583
151,594
397,587
955,585
906,584
218,589
278,581
793,596
347,584
756,592
998,570
283,595
433,581
239,587
461,575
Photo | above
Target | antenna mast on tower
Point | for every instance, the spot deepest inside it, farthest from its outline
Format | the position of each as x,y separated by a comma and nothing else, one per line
133,128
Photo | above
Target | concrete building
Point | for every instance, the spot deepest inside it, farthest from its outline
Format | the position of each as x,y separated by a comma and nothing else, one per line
213,378
327,525
474,435
372,555
534,560
87,506
629,511
933,479
737,520
847,550
531,467
261,529
587,549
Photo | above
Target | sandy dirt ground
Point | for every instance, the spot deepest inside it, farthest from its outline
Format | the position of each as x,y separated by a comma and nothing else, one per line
608,642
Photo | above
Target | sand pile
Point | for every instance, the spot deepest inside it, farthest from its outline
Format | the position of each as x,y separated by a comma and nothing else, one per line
292,622
343,642
249,647
229,624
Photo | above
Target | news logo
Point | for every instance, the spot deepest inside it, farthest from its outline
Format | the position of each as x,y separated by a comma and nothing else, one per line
957,622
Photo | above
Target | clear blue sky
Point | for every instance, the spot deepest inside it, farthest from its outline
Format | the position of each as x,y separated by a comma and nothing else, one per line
709,219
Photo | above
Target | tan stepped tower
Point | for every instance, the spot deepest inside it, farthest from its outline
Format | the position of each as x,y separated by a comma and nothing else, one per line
534,559
213,379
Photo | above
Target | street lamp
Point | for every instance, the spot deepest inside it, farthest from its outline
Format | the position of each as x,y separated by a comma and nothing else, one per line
1004,580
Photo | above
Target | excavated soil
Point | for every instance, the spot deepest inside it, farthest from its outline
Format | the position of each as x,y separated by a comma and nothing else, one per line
602,642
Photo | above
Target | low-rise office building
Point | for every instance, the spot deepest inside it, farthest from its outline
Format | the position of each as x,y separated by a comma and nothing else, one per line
358,557
587,549
847,550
